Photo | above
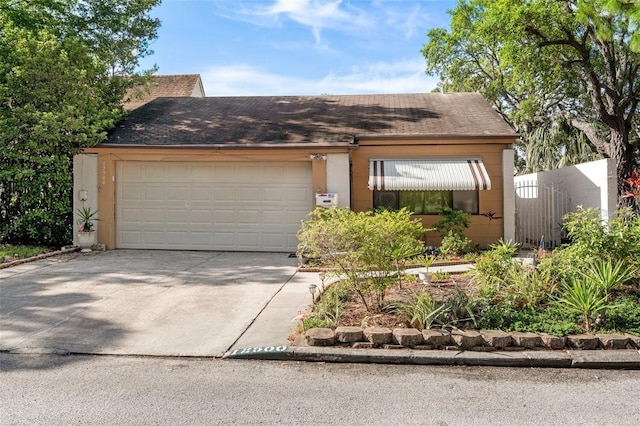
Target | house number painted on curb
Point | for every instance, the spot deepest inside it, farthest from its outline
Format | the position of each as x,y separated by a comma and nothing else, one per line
256,350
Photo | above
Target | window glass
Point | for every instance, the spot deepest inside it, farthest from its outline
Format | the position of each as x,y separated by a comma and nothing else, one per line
385,199
467,201
424,202
427,202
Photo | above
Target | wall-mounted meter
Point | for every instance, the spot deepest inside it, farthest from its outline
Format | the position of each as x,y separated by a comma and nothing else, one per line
328,200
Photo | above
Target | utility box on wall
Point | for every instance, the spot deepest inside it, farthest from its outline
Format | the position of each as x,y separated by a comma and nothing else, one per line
328,200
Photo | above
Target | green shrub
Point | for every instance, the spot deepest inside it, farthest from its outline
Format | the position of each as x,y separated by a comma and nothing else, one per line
624,316
528,287
459,310
455,244
453,220
493,266
367,247
326,312
592,238
451,227
549,319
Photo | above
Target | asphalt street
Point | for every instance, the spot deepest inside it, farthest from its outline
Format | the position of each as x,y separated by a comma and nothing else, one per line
108,390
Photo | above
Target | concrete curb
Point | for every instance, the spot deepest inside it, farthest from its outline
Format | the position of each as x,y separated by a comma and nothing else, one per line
597,359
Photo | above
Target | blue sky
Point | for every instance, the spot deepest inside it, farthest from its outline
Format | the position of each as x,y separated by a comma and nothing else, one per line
298,47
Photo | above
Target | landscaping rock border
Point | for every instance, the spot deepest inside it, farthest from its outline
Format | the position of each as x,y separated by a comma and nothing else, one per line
465,340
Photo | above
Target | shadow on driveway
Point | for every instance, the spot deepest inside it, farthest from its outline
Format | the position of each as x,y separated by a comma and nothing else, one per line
135,302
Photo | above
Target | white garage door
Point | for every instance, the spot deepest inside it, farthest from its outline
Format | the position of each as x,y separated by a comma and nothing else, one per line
211,206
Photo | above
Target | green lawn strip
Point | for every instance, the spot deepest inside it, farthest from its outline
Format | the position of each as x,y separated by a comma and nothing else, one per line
9,253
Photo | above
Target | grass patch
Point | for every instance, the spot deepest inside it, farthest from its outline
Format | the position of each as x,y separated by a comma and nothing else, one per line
8,251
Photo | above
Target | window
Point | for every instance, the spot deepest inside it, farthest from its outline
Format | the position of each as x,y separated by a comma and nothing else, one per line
427,202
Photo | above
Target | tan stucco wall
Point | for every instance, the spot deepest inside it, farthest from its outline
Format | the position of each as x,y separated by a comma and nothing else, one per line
85,184
108,156
324,177
338,178
482,231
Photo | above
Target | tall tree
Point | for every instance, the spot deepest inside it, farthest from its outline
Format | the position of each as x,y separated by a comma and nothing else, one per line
542,59
66,65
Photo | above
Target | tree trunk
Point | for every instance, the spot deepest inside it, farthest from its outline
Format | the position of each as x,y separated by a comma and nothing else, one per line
620,151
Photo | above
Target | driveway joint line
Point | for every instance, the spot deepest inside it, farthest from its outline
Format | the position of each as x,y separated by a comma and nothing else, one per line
262,310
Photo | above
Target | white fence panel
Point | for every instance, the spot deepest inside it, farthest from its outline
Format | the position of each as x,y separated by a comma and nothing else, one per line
539,212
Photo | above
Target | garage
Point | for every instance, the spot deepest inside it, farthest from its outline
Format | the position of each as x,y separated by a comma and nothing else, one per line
240,206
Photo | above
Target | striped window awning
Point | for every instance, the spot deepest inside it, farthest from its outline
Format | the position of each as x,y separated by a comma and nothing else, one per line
450,174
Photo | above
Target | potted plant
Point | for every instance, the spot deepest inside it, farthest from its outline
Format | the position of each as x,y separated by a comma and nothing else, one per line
86,231
425,276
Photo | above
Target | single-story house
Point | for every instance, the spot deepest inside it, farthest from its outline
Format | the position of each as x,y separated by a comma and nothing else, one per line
240,173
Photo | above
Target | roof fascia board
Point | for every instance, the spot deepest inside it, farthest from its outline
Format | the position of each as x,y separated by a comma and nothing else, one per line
233,145
373,137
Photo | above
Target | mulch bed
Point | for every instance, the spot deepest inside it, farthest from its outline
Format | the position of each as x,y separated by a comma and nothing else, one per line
355,314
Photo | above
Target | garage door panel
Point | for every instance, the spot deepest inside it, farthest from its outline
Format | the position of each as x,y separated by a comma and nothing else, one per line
273,240
249,217
249,240
297,195
291,240
225,240
174,172
224,193
179,238
154,216
154,238
131,237
177,193
202,239
273,217
200,217
132,174
211,206
131,215
224,217
129,192
154,193
250,193
198,193
155,172
224,172
295,216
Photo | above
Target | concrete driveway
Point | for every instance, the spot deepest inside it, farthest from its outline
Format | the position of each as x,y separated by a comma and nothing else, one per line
135,302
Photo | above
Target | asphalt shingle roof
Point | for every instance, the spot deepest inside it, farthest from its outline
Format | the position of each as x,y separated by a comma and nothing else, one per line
286,120
162,86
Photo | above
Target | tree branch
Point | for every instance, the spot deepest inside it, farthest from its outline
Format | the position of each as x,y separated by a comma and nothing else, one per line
591,133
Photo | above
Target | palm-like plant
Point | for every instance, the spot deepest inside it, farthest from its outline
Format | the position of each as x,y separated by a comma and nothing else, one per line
556,144
86,218
422,312
607,275
585,298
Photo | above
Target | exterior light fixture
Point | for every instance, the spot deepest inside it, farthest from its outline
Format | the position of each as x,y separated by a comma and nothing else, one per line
312,291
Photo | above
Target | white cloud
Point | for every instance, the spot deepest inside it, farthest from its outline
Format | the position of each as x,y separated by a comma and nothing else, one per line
381,77
245,80
348,17
319,15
